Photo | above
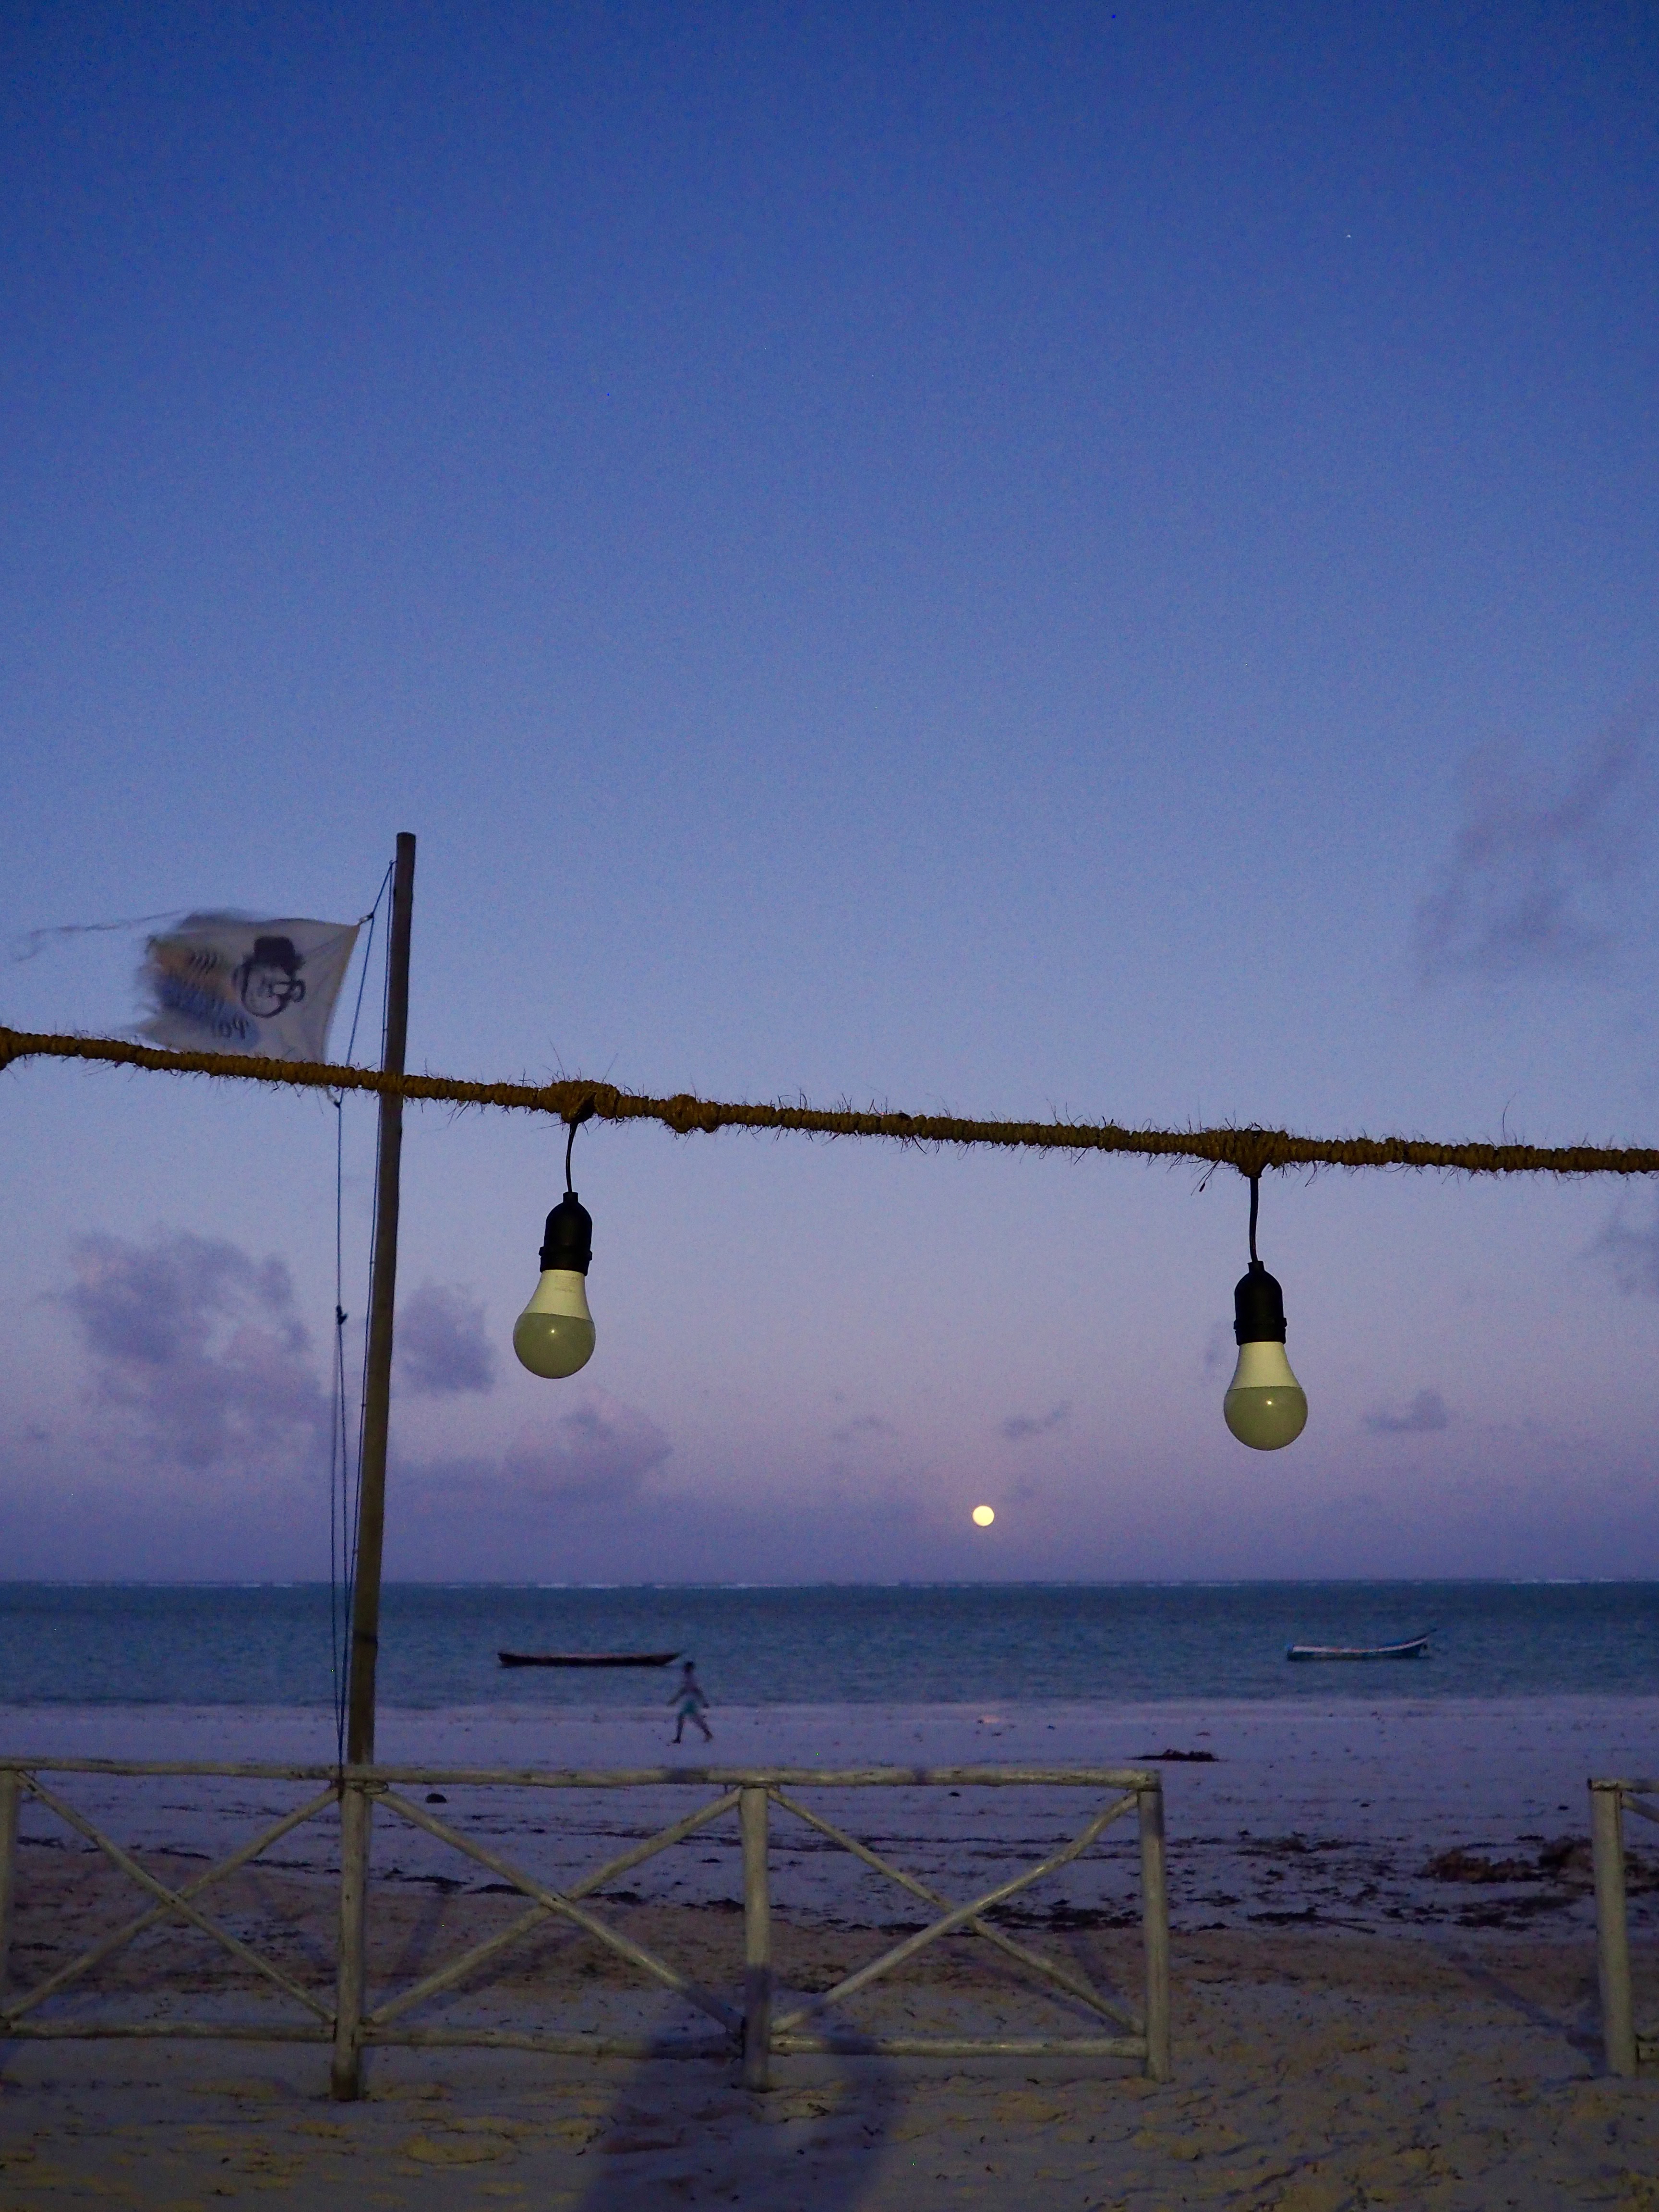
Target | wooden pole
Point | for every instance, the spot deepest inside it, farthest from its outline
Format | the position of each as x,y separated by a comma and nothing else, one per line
757,1942
382,1298
1155,1928
355,1811
346,2074
11,1793
1612,1926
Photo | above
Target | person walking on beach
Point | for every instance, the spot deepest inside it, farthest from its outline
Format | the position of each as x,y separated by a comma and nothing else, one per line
689,1702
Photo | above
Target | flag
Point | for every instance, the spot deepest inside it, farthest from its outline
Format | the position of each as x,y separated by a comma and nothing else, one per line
228,982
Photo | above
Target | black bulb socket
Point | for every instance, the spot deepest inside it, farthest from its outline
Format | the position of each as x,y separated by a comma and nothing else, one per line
568,1243
1258,1308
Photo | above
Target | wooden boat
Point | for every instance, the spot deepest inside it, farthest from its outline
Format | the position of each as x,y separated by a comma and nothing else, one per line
586,1658
1415,1647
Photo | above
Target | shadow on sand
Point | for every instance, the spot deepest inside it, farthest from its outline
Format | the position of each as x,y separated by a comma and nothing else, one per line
685,2133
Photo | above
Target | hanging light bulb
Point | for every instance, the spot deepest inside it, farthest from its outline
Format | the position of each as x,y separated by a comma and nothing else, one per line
555,1334
1265,1406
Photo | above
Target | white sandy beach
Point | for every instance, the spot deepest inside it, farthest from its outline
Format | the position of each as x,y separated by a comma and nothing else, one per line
1352,2028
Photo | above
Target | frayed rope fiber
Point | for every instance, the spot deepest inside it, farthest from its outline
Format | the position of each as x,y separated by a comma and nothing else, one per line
1251,1150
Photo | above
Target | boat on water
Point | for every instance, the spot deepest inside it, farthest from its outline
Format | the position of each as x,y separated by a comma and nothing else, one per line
586,1658
1414,1647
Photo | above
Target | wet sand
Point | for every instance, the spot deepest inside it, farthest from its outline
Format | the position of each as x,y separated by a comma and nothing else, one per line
1331,1812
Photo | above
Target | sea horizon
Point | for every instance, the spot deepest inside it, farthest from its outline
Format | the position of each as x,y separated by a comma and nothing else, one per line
841,1582
271,1643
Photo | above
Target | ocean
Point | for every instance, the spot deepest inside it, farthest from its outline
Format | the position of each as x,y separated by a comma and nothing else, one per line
271,1646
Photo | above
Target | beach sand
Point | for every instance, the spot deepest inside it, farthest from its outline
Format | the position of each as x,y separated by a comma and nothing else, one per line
1313,2073
1384,1977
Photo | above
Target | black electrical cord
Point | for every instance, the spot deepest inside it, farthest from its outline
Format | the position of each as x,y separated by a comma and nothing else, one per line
583,1113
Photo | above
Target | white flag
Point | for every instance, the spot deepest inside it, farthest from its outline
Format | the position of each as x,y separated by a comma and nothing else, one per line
228,982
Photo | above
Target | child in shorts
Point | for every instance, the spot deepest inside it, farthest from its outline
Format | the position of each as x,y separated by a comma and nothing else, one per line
689,1702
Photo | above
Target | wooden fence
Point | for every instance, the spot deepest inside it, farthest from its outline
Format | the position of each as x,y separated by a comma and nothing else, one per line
1609,1803
750,2028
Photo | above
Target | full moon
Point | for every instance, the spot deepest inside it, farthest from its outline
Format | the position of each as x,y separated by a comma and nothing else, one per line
983,1516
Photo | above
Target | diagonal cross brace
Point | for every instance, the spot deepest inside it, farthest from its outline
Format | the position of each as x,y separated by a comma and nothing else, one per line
959,1916
176,1901
1635,1805
108,1944
1075,1984
458,1969
553,1900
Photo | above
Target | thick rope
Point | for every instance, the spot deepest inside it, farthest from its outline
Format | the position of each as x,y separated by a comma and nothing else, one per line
1251,1150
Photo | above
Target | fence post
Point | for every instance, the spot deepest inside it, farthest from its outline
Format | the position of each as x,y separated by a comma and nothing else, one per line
1612,1925
346,2075
1155,1928
11,1796
752,1814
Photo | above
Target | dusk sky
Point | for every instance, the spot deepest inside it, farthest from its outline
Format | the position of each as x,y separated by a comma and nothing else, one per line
1008,560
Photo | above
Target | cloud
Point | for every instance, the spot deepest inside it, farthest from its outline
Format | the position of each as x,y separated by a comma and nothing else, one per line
1634,1254
1019,1426
600,1449
863,1424
1530,884
201,1346
1424,1417
442,1349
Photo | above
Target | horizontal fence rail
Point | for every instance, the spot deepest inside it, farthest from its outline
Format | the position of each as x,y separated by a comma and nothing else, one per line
745,2029
1610,1801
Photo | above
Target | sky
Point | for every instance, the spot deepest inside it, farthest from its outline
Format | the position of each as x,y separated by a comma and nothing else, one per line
1082,559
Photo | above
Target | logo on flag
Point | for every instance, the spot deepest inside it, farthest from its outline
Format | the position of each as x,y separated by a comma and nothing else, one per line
227,983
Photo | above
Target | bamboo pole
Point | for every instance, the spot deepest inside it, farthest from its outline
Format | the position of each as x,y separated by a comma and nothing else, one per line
382,1299
757,1942
1155,1926
625,1777
557,2046
346,2072
12,1792
1612,1926
177,2031
962,2046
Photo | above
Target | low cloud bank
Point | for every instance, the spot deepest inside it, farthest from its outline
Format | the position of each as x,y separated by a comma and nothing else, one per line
600,1451
199,1349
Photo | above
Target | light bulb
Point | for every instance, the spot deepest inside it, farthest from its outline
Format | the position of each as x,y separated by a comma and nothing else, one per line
1265,1406
555,1334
